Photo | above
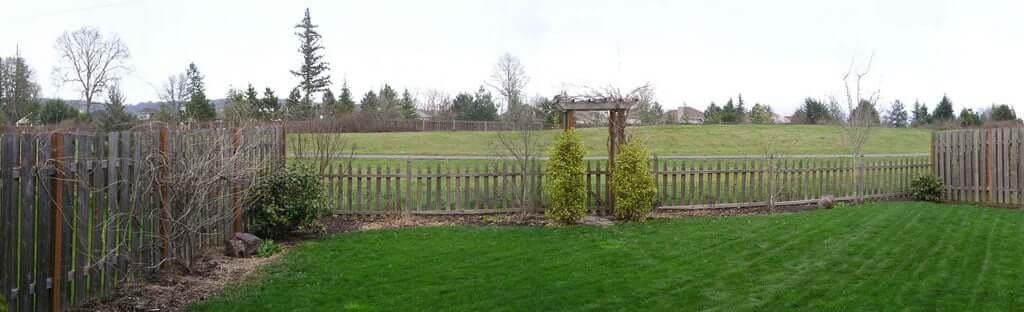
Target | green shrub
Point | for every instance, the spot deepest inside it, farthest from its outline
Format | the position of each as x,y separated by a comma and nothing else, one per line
926,188
268,247
3,304
288,200
564,180
634,186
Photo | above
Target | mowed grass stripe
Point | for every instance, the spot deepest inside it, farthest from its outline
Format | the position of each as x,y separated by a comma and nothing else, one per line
883,256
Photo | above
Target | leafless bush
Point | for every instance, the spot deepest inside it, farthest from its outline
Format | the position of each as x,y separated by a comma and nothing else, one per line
523,146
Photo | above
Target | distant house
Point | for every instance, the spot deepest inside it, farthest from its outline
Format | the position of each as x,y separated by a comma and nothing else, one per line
146,114
685,115
779,119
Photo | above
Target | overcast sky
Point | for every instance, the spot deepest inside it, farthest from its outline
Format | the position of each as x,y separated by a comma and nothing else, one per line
695,52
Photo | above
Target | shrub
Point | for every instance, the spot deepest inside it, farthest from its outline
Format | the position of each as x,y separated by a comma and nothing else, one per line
3,304
564,180
285,201
926,188
634,186
268,247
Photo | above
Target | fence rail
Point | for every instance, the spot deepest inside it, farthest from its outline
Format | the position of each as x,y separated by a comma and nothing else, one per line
981,165
430,187
82,212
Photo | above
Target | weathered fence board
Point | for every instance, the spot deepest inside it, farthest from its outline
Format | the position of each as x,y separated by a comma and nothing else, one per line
682,183
78,211
980,165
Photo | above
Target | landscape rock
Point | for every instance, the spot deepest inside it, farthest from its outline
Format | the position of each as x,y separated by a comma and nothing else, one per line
826,202
251,242
596,221
234,248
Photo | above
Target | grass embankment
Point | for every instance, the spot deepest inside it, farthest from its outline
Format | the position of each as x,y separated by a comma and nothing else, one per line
886,256
705,140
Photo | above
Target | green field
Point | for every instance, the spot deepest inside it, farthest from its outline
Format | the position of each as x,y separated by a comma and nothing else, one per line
884,256
705,140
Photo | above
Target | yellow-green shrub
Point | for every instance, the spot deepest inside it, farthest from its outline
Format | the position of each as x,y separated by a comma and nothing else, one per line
564,180
634,186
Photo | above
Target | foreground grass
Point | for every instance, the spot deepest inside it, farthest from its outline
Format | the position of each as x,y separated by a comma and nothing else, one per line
876,257
705,140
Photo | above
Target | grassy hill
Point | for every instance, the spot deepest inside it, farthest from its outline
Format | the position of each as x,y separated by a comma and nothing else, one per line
663,140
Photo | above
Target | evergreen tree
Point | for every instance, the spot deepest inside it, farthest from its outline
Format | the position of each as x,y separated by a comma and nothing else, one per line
345,102
865,114
55,111
921,115
298,106
729,112
968,118
741,110
484,107
1002,113
370,104
713,114
408,106
115,118
813,112
896,116
18,89
313,72
761,114
268,106
237,106
943,111
329,104
198,107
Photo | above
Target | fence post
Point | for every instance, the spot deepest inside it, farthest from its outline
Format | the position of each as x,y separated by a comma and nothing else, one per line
408,187
236,198
164,205
57,197
860,178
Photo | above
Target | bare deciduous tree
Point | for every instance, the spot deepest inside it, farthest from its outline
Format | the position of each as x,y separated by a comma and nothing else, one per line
175,92
522,145
857,127
438,104
509,79
91,61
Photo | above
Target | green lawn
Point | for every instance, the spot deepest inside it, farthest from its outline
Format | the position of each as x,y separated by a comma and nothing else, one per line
887,256
704,140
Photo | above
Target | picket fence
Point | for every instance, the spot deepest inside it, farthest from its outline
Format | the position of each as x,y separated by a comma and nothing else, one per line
416,186
83,212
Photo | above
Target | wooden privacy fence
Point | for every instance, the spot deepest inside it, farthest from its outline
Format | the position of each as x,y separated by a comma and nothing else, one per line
83,212
981,165
459,187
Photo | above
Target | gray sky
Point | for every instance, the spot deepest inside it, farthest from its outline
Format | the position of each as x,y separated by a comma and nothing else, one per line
773,52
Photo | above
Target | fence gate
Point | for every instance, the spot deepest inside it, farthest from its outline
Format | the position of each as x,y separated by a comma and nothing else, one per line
980,165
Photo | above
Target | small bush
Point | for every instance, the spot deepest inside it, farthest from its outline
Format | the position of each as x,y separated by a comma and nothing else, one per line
3,304
564,180
268,247
634,186
288,200
926,188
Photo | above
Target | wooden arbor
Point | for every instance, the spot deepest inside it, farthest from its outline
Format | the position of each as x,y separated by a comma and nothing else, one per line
616,128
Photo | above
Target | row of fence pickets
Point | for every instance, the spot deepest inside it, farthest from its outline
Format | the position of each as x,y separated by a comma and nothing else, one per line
107,206
455,188
981,165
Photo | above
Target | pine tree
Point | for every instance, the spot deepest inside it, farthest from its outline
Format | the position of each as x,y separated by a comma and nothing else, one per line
921,115
115,118
370,104
943,111
268,106
741,110
313,72
329,104
729,112
198,107
345,103
713,114
408,105
298,106
1002,113
896,116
